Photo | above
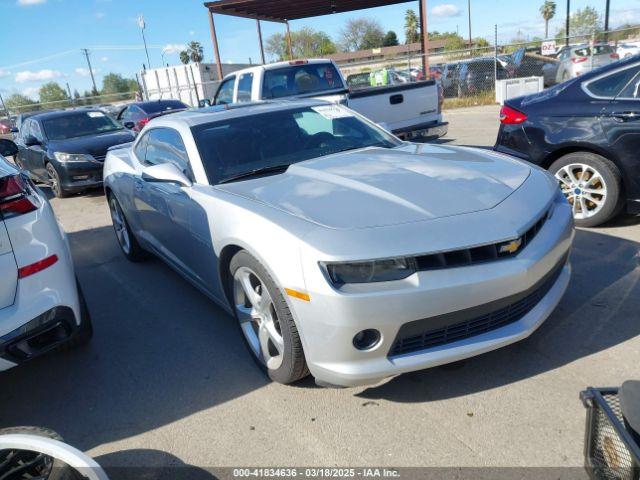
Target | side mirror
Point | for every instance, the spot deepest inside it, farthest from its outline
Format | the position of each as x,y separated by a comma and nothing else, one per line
129,125
165,173
204,103
8,148
31,141
14,130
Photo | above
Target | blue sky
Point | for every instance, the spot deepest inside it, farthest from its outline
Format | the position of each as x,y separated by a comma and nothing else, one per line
41,39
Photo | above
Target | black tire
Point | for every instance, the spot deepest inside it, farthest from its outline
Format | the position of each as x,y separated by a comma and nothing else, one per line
135,253
611,176
294,366
84,334
51,468
54,182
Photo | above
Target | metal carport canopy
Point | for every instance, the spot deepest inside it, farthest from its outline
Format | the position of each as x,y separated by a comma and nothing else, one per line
284,10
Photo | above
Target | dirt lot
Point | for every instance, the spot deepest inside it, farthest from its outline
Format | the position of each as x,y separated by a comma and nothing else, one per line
167,379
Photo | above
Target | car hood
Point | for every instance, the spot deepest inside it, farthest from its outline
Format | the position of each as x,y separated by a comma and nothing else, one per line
95,145
378,187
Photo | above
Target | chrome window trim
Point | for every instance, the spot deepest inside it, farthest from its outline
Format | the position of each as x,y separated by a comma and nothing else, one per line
584,85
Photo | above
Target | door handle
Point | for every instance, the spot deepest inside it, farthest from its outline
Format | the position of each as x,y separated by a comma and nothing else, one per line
396,99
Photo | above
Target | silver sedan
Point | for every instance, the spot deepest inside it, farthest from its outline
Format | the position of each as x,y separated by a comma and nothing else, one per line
340,250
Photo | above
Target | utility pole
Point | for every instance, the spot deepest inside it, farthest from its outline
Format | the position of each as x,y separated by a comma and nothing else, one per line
606,20
93,80
469,9
142,26
568,22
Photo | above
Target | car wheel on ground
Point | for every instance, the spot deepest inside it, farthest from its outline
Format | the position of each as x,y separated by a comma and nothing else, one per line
126,239
591,184
23,464
265,320
54,182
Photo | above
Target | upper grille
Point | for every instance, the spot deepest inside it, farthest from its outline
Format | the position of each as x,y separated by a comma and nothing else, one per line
100,158
484,253
411,338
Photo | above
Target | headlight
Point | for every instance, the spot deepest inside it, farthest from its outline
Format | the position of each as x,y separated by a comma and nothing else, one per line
73,157
370,271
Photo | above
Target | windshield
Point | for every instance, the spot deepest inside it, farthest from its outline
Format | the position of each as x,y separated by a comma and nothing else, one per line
78,124
300,79
236,146
163,106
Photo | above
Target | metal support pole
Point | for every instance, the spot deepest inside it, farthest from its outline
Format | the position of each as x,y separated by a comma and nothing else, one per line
214,40
289,42
567,25
606,21
495,57
470,41
425,38
260,40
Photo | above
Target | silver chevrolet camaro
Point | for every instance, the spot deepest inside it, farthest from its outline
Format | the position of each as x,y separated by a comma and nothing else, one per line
339,249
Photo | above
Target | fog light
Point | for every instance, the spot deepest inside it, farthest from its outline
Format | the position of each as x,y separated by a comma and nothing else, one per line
81,177
366,339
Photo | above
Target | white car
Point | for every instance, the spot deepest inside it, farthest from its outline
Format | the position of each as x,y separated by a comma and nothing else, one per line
341,250
41,306
630,49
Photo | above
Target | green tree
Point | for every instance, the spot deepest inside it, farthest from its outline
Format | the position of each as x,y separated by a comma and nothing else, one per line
305,43
184,57
480,42
116,83
548,11
20,103
411,27
361,34
390,39
195,51
52,92
584,21
455,42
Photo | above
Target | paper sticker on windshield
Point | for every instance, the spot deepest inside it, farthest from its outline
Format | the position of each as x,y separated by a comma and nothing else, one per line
332,111
96,114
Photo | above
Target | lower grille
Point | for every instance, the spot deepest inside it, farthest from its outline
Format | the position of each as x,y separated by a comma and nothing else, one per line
411,338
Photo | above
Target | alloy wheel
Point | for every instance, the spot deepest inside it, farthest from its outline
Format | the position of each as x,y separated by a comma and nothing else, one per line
258,318
53,180
584,188
120,225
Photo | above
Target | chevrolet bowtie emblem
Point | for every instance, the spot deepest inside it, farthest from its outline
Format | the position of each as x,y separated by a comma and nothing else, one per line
511,247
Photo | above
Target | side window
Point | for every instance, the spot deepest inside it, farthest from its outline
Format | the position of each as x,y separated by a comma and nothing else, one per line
632,90
25,129
125,114
245,82
611,85
35,131
225,92
141,148
313,123
165,146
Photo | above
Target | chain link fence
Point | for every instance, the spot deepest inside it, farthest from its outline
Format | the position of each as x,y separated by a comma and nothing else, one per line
470,76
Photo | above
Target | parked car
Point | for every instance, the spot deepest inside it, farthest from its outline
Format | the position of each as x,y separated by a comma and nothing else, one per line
41,304
478,75
136,115
408,109
341,250
630,49
575,60
5,126
586,131
66,149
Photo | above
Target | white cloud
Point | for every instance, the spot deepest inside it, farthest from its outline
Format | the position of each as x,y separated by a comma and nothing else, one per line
29,76
83,72
173,48
627,15
192,33
30,2
104,59
445,10
4,73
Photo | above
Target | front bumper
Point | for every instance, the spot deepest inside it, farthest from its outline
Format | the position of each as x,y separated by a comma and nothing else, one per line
426,131
330,321
80,176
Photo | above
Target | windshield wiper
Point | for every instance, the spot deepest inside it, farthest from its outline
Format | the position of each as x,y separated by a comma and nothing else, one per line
256,172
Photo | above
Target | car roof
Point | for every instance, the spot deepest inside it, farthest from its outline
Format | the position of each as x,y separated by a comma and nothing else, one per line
224,112
62,113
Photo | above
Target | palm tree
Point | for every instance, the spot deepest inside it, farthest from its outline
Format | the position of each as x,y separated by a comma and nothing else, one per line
184,57
196,52
548,11
411,26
